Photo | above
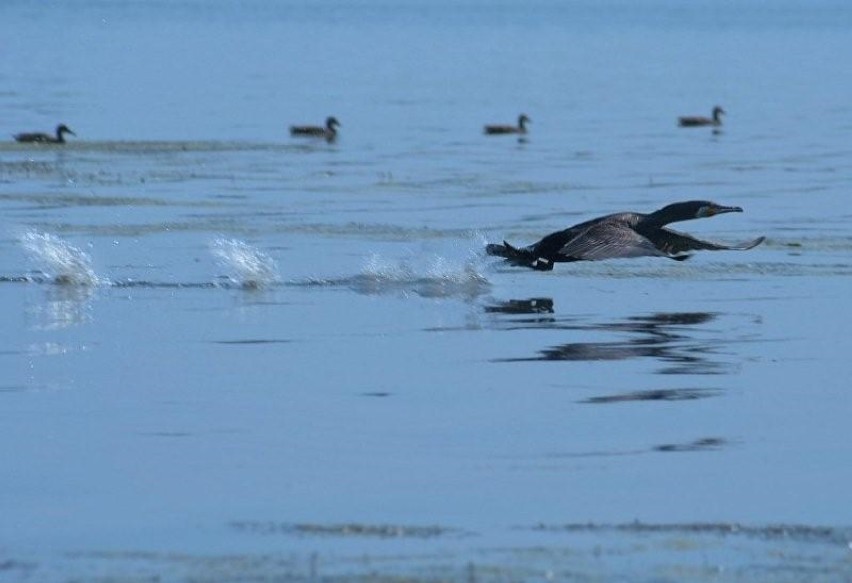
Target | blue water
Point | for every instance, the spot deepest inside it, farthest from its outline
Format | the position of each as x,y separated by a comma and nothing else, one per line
221,341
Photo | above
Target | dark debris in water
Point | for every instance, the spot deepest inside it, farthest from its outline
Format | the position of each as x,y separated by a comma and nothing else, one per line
697,445
702,444
342,530
654,395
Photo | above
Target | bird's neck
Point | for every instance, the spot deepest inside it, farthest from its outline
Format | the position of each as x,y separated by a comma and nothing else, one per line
661,218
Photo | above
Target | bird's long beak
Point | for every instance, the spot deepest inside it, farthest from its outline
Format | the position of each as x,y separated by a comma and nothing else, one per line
728,209
717,209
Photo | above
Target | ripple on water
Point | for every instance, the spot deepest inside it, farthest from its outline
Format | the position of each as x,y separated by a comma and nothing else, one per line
344,530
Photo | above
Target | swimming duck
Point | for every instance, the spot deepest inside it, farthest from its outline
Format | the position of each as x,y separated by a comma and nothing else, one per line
42,138
521,128
329,132
622,235
692,121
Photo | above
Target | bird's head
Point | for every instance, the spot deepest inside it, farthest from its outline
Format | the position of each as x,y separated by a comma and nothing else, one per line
64,129
693,209
704,208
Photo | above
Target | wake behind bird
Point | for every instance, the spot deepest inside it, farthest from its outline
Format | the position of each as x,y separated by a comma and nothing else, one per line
434,276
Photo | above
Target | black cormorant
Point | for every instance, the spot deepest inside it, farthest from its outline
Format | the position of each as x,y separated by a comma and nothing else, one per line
41,138
621,235
329,132
693,121
521,128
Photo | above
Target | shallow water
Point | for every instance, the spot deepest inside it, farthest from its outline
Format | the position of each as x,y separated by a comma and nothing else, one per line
231,355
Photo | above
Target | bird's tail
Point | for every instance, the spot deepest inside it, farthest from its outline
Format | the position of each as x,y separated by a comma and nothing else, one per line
520,257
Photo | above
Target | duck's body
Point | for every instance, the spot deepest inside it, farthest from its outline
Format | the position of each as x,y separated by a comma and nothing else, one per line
621,235
42,138
521,128
693,121
329,132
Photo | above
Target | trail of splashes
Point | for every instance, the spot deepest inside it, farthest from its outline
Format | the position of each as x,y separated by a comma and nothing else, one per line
249,267
62,261
435,277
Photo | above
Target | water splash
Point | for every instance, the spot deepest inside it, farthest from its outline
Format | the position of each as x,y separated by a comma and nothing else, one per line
249,267
434,276
450,273
62,262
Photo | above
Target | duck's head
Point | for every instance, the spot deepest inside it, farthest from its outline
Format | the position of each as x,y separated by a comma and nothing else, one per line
64,129
332,123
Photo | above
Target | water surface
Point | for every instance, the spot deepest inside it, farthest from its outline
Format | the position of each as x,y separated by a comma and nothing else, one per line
232,354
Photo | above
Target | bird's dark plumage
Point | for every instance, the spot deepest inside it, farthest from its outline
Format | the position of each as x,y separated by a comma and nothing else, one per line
521,128
692,121
41,138
329,132
621,235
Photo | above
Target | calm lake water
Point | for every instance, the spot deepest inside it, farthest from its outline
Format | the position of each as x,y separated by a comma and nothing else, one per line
230,355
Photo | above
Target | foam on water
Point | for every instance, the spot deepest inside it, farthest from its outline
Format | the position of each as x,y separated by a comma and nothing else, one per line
63,262
248,266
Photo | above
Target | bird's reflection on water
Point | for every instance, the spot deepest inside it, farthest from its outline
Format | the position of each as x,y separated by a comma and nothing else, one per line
530,306
62,306
678,339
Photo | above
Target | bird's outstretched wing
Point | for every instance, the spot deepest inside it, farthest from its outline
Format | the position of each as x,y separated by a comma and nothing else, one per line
671,242
611,240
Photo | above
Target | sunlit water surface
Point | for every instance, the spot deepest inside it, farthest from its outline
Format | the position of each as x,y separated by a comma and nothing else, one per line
233,355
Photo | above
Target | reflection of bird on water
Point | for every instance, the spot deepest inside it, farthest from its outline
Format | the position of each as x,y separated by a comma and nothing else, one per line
621,235
521,128
692,121
675,340
42,138
329,132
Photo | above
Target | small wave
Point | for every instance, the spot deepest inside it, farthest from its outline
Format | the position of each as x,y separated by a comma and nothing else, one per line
249,267
63,262
145,284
